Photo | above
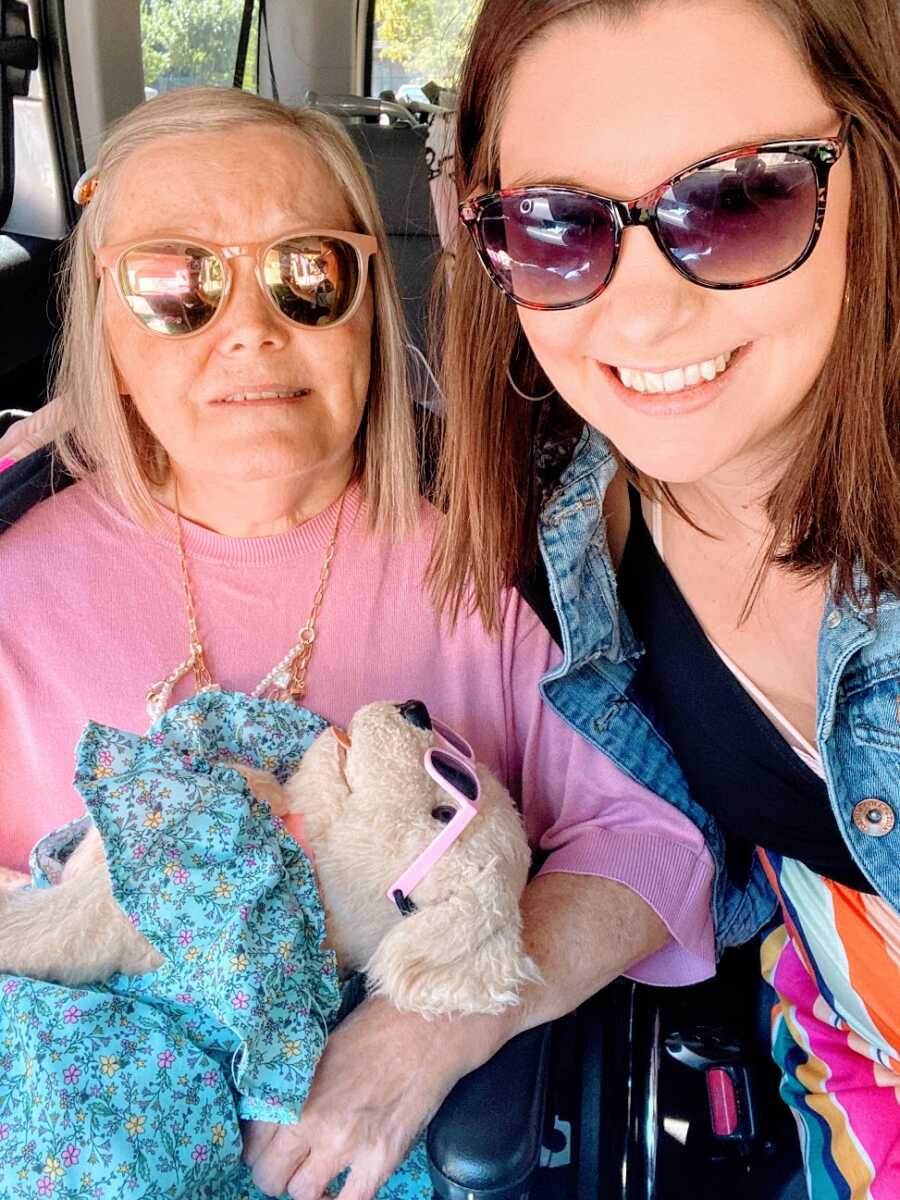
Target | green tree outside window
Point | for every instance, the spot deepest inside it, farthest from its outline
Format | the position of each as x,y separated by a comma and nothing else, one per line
194,42
428,37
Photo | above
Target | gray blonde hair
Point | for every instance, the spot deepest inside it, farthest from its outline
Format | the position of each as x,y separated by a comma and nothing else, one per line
99,433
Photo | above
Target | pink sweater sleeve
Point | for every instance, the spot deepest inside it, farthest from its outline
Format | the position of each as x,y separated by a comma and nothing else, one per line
587,817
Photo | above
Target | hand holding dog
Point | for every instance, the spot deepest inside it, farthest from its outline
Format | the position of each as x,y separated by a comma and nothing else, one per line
383,1075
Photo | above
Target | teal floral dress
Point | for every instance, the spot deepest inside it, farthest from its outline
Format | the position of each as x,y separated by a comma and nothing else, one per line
134,1088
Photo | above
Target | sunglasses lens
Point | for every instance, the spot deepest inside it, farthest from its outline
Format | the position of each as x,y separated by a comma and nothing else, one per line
452,771
172,287
548,247
314,280
740,221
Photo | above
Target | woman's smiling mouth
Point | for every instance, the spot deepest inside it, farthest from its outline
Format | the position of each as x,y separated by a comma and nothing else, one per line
263,396
675,380
673,391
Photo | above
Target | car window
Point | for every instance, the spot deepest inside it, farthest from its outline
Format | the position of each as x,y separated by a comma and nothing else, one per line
189,42
415,42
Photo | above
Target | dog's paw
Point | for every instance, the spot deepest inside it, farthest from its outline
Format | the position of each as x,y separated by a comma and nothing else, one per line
444,960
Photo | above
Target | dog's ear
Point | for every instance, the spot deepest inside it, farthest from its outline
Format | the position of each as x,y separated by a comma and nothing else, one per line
319,781
458,955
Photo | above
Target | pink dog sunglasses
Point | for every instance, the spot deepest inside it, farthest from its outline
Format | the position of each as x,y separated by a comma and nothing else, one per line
451,765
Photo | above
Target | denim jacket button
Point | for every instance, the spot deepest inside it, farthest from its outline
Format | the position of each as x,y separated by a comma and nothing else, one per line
874,817
834,619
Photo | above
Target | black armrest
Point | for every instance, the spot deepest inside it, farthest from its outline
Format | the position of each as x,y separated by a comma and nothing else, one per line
485,1141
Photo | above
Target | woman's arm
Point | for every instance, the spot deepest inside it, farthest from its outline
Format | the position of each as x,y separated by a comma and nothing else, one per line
385,1073
586,817
625,881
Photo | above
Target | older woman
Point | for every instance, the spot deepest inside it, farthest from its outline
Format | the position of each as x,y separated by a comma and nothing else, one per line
246,515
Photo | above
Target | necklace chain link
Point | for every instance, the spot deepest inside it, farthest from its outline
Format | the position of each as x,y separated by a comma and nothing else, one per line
287,679
307,635
203,681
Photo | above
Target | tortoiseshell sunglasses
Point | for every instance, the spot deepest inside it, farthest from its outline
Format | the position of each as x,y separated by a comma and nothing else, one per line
734,220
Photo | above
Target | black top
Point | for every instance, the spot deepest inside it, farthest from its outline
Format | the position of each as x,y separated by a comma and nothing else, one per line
737,764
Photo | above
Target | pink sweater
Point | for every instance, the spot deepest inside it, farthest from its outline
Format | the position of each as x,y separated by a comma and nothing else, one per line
93,613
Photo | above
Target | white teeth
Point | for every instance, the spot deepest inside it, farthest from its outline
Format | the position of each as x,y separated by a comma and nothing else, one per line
653,382
236,397
675,380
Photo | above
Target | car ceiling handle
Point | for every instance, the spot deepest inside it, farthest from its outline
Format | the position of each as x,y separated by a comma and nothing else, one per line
19,52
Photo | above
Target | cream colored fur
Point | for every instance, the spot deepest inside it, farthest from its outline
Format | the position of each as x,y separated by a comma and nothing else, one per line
367,815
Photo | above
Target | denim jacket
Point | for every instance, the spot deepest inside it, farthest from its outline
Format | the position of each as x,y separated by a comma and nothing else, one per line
858,701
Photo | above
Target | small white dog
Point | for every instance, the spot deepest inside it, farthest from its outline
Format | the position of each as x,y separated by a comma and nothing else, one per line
369,809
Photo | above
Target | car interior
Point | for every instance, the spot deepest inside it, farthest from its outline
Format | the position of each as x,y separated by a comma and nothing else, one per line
642,1092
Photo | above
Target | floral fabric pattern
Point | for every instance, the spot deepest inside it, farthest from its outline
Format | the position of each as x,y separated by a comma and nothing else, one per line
135,1087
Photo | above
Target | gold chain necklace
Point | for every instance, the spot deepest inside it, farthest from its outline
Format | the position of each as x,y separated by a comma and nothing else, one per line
286,680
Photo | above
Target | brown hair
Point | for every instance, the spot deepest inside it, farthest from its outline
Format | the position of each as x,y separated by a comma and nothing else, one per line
837,507
97,432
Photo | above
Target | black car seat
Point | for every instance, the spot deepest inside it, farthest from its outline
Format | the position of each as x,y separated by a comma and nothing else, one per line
28,265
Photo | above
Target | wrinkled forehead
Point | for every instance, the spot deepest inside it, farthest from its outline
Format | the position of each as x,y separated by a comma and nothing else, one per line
617,107
247,183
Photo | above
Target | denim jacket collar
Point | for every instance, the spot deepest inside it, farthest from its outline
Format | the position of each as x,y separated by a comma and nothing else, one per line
585,593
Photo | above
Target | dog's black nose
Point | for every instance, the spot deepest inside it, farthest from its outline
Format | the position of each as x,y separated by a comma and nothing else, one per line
416,713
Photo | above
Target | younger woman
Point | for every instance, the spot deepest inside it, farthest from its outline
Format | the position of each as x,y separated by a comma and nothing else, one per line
686,215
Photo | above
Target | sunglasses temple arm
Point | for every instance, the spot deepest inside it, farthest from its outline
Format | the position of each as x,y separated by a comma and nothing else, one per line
453,741
416,872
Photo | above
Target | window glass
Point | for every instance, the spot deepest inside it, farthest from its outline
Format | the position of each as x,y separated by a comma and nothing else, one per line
415,42
188,42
